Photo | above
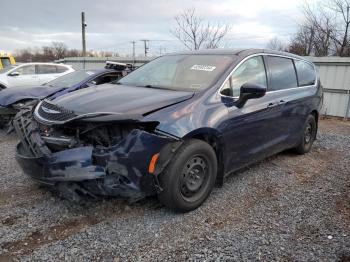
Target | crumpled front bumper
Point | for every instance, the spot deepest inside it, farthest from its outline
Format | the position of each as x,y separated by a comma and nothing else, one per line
121,170
69,165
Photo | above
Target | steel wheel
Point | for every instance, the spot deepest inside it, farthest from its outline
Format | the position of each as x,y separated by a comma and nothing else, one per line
194,177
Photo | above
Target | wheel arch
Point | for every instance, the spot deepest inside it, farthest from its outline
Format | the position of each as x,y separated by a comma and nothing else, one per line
213,138
2,86
316,114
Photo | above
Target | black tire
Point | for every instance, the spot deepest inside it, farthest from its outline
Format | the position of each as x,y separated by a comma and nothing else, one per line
190,177
2,122
308,136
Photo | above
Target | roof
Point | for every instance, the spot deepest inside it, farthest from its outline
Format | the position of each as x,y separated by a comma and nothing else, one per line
40,63
244,52
100,70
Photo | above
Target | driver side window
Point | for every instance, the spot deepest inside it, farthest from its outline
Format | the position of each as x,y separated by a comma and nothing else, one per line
26,70
251,71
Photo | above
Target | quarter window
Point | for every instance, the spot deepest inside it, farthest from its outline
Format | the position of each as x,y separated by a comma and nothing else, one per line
282,73
250,71
306,73
61,69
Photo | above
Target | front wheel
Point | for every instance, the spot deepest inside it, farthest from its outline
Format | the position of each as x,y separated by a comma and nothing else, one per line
190,177
308,136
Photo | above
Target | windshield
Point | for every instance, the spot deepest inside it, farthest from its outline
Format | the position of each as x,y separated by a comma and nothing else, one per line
5,70
179,72
70,79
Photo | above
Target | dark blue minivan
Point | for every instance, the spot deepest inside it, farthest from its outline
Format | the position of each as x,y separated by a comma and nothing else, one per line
174,127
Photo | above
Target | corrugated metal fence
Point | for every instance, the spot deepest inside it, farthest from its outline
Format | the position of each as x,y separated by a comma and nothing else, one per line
334,73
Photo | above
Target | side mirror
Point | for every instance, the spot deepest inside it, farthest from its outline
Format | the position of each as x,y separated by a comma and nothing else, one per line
250,91
14,74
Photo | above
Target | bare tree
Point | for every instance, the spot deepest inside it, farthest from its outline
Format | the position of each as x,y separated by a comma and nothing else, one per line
194,32
303,41
342,9
59,49
276,44
327,27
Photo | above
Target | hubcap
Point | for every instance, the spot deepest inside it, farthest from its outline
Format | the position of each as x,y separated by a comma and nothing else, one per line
308,133
194,176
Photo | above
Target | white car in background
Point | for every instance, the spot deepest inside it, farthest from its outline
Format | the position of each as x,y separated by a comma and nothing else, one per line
32,74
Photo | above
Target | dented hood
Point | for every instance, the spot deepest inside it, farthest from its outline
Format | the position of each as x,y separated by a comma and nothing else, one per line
120,99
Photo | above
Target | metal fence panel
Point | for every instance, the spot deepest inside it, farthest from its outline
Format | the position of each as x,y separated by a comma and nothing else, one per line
334,73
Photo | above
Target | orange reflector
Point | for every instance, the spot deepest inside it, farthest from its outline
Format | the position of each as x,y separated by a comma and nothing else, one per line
152,164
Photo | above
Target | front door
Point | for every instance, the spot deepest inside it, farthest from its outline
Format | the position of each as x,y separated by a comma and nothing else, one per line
26,76
250,131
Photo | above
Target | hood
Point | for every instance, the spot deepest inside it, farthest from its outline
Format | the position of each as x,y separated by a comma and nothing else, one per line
120,99
15,94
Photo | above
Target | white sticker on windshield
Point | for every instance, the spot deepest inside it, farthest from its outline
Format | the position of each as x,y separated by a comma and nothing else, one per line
203,68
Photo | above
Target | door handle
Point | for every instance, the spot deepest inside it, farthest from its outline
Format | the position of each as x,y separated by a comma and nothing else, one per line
282,102
271,105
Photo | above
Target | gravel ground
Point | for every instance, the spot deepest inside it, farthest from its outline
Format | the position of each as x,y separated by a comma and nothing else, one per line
286,208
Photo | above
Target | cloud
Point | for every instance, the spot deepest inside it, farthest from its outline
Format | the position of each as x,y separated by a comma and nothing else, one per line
112,24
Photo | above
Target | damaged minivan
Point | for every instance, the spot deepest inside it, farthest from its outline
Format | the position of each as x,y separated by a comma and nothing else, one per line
174,127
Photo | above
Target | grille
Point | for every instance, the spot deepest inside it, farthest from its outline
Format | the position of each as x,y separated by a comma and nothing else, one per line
52,112
28,133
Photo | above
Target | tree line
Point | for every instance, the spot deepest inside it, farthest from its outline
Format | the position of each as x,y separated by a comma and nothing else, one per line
55,51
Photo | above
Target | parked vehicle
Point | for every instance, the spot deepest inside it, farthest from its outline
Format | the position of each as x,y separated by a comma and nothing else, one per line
173,127
31,74
13,99
6,60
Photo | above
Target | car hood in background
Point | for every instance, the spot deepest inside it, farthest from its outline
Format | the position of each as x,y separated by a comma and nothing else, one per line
120,99
15,94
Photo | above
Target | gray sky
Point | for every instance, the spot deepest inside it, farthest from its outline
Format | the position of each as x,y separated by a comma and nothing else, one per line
112,24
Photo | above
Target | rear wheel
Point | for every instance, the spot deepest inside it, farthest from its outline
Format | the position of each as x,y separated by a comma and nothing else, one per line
308,135
190,176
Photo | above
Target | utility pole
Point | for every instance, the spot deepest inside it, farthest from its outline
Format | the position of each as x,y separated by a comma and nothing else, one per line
83,25
133,51
145,45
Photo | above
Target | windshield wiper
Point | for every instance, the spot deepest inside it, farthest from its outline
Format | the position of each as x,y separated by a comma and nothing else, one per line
152,86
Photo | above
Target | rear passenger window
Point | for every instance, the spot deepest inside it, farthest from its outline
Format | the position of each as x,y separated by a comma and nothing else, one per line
282,73
306,73
46,69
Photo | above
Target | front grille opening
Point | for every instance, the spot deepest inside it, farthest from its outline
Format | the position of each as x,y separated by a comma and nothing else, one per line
100,136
